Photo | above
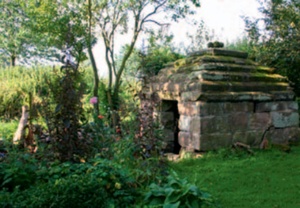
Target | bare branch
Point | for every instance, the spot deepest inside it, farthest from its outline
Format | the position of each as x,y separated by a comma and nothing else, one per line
154,11
155,22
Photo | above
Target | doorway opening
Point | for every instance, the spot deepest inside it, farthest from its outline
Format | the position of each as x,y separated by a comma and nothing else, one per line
169,106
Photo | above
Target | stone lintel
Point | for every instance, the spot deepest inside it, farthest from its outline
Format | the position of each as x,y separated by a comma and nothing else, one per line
166,95
202,108
230,86
241,96
237,76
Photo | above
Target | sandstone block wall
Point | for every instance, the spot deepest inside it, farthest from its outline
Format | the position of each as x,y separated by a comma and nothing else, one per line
217,97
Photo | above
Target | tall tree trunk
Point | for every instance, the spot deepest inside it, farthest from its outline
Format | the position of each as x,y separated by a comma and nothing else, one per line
91,55
96,79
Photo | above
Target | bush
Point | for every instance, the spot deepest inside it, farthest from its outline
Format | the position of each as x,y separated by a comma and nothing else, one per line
99,183
176,192
18,170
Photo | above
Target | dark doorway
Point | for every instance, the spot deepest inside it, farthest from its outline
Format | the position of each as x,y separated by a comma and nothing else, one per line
172,106
177,146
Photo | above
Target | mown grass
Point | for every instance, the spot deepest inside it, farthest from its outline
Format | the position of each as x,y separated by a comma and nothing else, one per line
268,179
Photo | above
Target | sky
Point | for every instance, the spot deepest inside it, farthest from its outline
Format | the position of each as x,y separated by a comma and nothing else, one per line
224,16
221,17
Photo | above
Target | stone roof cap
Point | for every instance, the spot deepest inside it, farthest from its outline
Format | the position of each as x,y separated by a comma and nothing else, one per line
216,74
220,52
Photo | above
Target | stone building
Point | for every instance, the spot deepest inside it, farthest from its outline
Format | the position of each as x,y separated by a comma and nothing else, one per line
216,97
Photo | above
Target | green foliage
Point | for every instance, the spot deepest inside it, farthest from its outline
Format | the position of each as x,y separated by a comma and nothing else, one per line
175,193
18,170
66,30
7,130
97,183
17,85
151,59
14,41
276,44
243,44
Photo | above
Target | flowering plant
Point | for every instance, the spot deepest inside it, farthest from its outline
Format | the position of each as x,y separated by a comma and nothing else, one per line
94,100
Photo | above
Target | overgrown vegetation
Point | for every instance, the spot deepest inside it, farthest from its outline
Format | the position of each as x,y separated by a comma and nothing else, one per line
91,144
80,160
274,37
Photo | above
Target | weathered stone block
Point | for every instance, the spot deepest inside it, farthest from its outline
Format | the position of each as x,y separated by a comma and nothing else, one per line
184,123
196,141
173,87
238,121
276,106
285,119
259,121
285,135
214,124
214,141
190,95
185,140
189,108
224,108
189,123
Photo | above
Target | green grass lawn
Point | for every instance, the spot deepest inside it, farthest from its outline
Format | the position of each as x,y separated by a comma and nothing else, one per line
269,179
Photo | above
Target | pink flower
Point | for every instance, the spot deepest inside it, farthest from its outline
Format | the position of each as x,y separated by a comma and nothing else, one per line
94,100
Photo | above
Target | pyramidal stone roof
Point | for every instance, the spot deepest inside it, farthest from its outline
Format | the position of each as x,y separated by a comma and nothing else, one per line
217,74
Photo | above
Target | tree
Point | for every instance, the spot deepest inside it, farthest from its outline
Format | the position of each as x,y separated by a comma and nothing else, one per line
276,43
62,24
14,40
115,15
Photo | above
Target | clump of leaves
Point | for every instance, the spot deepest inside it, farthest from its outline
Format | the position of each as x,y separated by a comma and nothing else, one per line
176,192
97,183
18,170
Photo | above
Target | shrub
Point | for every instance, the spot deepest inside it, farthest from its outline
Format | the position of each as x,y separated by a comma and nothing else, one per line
18,170
99,183
176,192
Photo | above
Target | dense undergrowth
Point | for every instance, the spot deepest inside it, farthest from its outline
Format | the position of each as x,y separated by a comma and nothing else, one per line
78,159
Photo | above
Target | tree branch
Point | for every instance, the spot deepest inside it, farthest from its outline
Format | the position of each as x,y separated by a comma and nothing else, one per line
155,22
154,11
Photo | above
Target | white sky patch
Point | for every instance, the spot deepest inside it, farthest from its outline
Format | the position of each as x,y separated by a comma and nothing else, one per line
221,17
